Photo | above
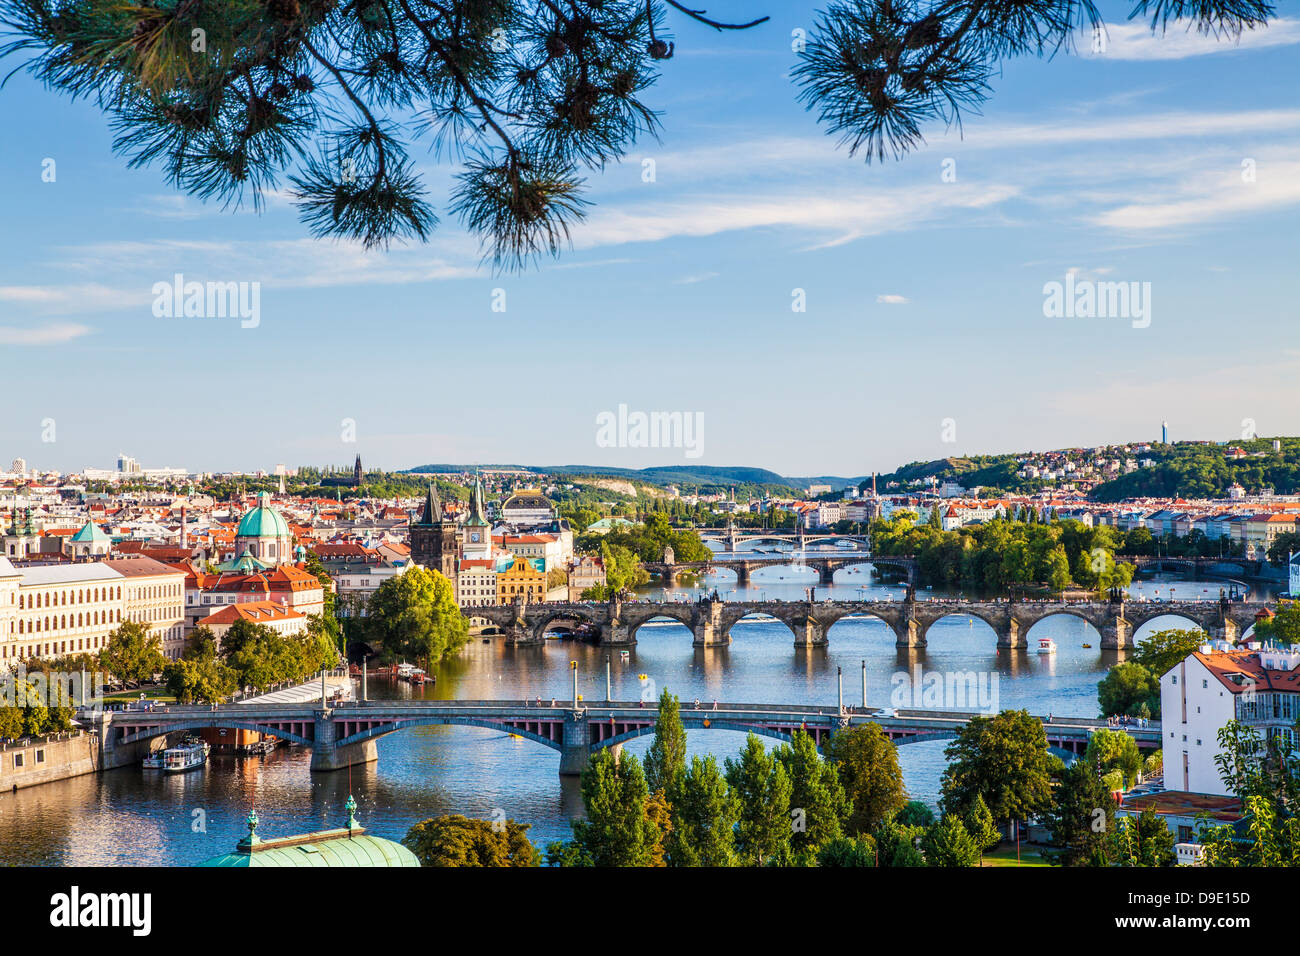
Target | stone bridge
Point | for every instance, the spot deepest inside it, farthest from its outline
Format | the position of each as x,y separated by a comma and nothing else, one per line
1219,566
711,620
825,566
798,537
346,734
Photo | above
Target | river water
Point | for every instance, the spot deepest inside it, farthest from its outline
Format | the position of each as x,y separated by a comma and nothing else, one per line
126,816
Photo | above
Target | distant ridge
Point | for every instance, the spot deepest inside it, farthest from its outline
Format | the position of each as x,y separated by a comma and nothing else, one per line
660,475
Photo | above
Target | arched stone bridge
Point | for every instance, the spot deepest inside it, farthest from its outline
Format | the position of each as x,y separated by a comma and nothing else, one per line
730,537
711,620
346,734
825,566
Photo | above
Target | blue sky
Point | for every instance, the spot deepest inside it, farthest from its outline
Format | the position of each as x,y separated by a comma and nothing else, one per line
924,297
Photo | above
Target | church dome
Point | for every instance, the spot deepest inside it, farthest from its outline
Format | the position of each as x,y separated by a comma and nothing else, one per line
263,521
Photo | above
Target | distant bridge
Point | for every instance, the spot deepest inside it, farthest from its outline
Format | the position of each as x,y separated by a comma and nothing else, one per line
711,621
796,536
345,734
825,566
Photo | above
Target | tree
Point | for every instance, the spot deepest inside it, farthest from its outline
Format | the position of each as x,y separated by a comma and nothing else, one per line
867,764
233,98
898,845
1003,759
914,814
200,676
763,790
981,826
455,840
1283,627
1144,840
1129,688
1163,649
948,843
848,851
665,762
415,614
133,654
1081,818
818,804
704,815
1114,750
617,831
1267,837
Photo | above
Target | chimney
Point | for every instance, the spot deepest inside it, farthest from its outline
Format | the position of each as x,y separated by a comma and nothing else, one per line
182,526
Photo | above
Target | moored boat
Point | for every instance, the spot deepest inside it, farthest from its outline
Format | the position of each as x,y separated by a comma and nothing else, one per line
1046,645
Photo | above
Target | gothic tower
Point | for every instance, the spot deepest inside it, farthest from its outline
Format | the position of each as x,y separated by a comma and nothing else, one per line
433,540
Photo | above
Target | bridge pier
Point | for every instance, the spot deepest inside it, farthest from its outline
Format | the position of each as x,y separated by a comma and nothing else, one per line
520,636
1116,634
1010,637
742,573
326,755
709,634
575,744
808,632
909,633
616,633
826,573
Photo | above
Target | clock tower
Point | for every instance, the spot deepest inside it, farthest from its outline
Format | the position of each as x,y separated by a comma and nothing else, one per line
478,532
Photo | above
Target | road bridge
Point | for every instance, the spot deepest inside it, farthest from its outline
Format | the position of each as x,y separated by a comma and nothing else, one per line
343,735
744,568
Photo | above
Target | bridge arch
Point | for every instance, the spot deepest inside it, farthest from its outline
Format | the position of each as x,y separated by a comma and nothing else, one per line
543,623
995,626
1094,638
702,723
216,722
682,615
405,723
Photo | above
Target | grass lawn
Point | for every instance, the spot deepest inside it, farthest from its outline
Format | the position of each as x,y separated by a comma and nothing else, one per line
1005,855
158,694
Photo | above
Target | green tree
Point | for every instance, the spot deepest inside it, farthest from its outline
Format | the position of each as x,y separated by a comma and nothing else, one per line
899,845
665,762
455,840
133,654
616,831
1114,750
1129,688
1163,649
981,825
1283,627
1144,840
948,843
914,813
415,614
704,815
1003,759
867,764
763,789
818,803
848,851
1081,819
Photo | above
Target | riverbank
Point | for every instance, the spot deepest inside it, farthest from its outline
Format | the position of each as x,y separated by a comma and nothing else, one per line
34,761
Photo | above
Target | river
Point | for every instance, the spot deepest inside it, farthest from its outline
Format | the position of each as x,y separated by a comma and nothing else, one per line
129,817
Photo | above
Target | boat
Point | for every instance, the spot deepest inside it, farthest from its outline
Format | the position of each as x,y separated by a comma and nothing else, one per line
1087,645
1046,645
404,670
188,756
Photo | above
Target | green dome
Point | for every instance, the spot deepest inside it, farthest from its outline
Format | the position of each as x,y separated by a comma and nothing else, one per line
340,851
90,533
263,521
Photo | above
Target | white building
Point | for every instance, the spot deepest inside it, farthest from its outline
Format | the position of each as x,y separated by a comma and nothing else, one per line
1211,687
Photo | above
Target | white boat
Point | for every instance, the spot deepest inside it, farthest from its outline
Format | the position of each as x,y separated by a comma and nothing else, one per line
404,671
188,756
1046,645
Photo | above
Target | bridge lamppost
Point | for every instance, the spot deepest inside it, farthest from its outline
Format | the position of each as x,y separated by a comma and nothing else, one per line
839,678
864,687
573,666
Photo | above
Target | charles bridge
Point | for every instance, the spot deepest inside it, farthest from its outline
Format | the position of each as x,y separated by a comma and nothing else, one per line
711,620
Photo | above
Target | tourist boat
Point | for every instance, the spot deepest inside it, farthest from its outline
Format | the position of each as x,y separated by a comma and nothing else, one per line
404,671
188,756
1046,645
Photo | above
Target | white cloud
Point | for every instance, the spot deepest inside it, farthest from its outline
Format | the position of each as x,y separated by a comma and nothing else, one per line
42,335
1207,196
1136,41
892,299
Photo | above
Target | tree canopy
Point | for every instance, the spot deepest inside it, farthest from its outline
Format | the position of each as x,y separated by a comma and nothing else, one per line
238,98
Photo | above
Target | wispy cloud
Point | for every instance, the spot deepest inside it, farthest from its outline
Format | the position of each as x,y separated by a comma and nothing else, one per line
892,299
42,334
1136,41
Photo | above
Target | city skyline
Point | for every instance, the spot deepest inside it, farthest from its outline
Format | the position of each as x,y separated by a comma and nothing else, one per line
921,294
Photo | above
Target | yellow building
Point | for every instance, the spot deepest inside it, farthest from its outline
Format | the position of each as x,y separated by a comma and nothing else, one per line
526,577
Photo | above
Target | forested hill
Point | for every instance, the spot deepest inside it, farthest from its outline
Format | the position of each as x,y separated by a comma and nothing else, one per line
1183,469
